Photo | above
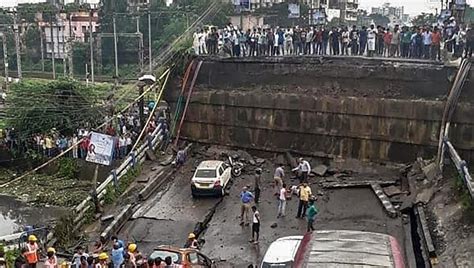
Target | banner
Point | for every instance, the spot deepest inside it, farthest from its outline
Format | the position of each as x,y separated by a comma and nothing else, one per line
293,11
100,150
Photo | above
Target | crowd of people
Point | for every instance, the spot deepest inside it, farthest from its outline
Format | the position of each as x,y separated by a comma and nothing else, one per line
418,42
125,129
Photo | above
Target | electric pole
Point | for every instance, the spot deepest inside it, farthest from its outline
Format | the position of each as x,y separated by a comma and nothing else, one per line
150,67
41,47
5,58
17,44
53,54
115,50
140,44
91,43
69,49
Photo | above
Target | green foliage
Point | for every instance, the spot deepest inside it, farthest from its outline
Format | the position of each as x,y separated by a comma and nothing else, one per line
113,192
67,168
464,196
64,231
38,107
10,256
424,19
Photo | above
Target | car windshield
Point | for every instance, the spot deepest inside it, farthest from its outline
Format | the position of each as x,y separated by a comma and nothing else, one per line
175,257
205,173
277,265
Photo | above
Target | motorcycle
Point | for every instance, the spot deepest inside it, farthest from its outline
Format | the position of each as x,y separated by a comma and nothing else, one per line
236,166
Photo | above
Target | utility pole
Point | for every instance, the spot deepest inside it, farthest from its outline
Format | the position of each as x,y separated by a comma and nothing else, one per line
150,59
62,30
53,54
140,44
343,7
69,49
41,47
91,43
141,104
115,50
17,45
5,58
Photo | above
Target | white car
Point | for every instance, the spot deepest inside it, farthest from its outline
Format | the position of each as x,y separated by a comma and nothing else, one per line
210,178
282,252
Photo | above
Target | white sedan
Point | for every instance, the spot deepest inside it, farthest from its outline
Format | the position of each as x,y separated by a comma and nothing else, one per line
282,252
210,178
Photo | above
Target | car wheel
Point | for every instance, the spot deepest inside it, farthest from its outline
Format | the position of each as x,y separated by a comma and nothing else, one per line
236,172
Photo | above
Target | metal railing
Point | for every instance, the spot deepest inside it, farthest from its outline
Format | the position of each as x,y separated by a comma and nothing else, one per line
461,166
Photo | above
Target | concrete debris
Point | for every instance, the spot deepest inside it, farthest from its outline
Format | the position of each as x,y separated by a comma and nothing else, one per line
320,170
352,183
425,195
291,160
392,190
392,212
143,179
332,171
274,225
430,171
252,162
280,159
150,155
260,161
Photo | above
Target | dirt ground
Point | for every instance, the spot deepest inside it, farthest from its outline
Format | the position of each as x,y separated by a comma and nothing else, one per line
171,214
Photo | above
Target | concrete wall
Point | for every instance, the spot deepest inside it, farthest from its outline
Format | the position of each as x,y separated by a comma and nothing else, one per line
365,111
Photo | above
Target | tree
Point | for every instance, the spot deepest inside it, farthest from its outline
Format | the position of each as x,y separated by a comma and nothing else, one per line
424,19
380,19
38,107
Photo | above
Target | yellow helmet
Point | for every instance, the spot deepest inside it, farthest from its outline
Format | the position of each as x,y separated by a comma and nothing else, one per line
191,236
32,238
132,247
103,256
51,250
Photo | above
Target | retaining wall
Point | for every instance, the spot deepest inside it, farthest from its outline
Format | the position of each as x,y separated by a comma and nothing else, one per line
366,109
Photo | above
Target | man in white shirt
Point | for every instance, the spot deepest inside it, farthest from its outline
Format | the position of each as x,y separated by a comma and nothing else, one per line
371,39
303,170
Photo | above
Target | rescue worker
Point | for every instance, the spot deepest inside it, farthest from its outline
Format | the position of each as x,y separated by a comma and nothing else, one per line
103,259
132,251
303,169
258,178
32,252
3,261
52,260
192,241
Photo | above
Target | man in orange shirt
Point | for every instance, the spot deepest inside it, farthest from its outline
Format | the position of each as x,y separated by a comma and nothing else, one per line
436,44
31,254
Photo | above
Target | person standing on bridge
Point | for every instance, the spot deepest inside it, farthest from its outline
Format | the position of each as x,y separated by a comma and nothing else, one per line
257,181
278,178
371,40
246,199
311,215
303,169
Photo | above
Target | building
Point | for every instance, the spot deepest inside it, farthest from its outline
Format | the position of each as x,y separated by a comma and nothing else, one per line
348,9
72,28
395,14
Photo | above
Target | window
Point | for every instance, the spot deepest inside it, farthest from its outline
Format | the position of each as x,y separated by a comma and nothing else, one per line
205,173
84,29
221,170
175,257
193,258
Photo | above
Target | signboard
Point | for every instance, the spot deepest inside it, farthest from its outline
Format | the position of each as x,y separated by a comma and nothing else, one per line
317,17
460,4
293,11
242,5
100,149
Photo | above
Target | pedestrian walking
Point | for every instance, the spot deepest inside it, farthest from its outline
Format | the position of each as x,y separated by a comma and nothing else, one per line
304,194
246,199
255,225
257,180
282,201
278,178
311,215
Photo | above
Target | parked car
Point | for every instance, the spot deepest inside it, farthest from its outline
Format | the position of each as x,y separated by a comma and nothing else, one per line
341,248
210,178
184,257
282,252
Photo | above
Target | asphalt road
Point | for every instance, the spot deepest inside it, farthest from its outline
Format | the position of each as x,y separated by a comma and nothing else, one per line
171,214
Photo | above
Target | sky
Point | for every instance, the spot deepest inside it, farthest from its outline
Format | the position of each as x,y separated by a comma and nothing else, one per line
412,7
